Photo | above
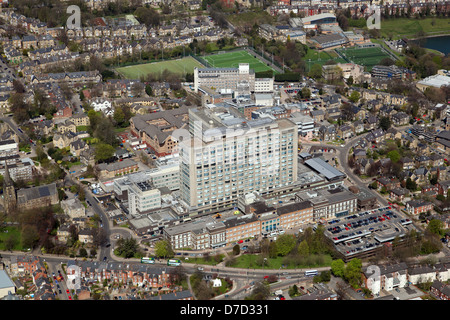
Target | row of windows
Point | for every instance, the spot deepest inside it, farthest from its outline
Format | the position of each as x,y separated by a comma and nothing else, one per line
234,233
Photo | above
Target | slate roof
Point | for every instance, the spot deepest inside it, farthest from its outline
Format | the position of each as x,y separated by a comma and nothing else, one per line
28,194
173,117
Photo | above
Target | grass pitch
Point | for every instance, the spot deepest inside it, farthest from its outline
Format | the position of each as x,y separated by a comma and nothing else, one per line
367,57
178,66
232,60
320,57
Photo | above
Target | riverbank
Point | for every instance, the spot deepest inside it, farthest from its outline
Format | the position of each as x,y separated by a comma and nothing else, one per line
436,44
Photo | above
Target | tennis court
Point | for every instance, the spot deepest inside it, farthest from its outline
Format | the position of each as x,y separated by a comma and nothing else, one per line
233,58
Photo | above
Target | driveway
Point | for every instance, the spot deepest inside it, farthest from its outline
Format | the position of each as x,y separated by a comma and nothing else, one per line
407,293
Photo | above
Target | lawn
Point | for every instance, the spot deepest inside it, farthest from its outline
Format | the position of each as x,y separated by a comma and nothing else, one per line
233,58
250,261
212,261
7,233
178,66
401,27
82,128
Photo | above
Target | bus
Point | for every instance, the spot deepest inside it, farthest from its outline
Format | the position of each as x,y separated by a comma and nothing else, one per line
147,260
173,262
311,273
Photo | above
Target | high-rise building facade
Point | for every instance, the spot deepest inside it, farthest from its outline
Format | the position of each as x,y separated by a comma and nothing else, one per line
226,156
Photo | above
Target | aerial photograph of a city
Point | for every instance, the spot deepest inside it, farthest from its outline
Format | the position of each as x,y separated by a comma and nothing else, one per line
221,156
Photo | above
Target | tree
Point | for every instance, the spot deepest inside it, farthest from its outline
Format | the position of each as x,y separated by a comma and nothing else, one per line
338,267
149,90
127,247
261,291
18,86
104,131
394,155
103,151
66,91
122,115
30,236
315,72
148,16
387,62
354,96
385,123
94,118
285,244
411,185
19,107
350,81
325,276
119,116
83,253
264,244
136,89
99,236
303,249
163,249
436,226
236,250
273,250
73,235
343,21
352,272
318,243
305,93
177,275
10,242
293,291
347,111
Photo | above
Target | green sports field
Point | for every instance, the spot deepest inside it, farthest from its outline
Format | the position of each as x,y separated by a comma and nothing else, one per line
178,66
320,57
367,57
232,60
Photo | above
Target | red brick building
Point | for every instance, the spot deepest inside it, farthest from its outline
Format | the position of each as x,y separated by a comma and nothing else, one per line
440,290
417,207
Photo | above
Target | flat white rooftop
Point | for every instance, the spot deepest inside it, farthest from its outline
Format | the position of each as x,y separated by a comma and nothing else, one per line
436,81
